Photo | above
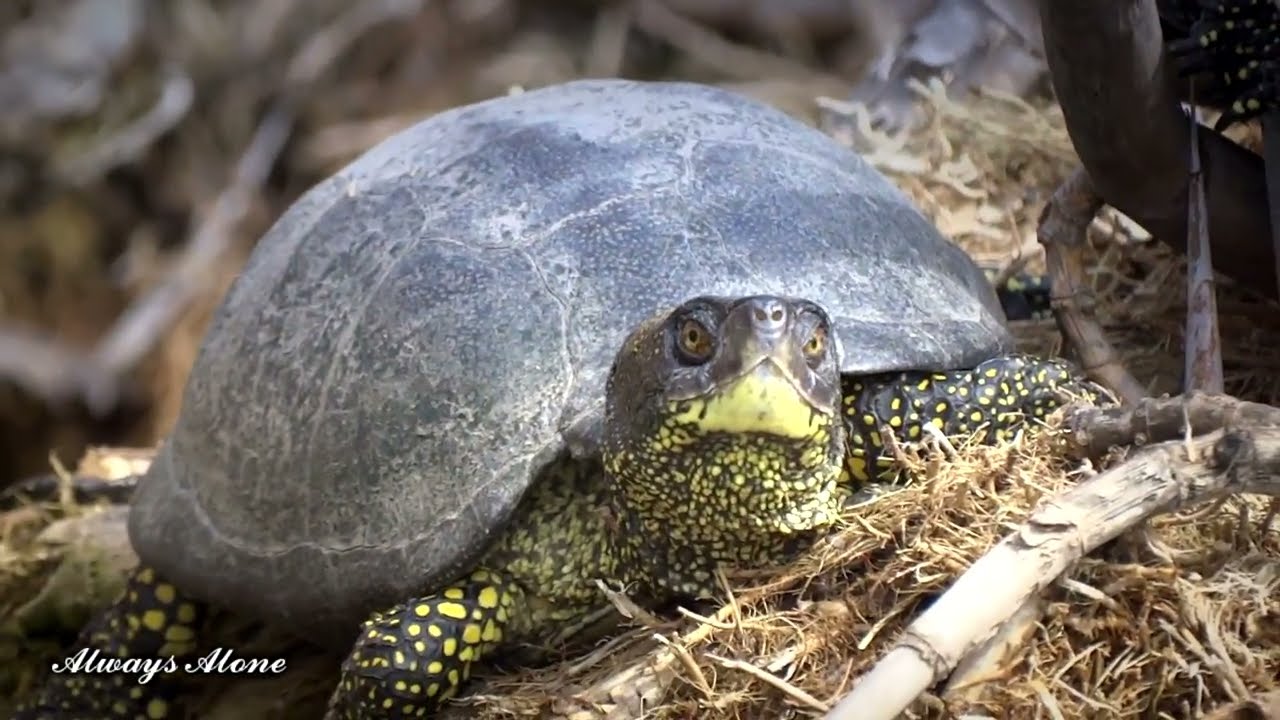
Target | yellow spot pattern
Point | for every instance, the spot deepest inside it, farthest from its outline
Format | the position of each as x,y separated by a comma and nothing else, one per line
988,403
392,672
151,620
1236,43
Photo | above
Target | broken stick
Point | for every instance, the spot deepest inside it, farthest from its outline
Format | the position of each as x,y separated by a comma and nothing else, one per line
1092,431
1203,352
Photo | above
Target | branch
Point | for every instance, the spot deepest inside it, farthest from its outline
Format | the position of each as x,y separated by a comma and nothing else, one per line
130,142
1119,99
1063,231
1162,478
1093,431
1202,355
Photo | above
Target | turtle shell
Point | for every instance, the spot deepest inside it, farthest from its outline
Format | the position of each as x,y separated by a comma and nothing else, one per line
422,332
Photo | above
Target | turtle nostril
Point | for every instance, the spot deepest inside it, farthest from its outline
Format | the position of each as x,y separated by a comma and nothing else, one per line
768,315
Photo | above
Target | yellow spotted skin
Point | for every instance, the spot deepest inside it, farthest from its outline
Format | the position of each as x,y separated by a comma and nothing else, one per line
410,658
688,484
1023,296
533,587
989,403
150,620
1234,45
691,500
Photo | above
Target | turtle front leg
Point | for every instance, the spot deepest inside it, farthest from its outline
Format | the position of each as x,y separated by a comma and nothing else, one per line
150,623
992,401
410,658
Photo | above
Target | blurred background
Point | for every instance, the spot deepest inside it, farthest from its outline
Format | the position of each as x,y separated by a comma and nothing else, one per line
145,146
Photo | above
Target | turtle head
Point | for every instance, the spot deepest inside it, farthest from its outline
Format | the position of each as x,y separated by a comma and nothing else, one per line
722,421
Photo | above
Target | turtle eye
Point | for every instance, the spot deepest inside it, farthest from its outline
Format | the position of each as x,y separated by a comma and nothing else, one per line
693,341
817,342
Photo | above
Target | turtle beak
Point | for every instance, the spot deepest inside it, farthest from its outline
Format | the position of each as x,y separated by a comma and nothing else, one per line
760,380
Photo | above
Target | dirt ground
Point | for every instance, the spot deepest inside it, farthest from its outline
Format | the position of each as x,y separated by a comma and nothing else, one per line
87,239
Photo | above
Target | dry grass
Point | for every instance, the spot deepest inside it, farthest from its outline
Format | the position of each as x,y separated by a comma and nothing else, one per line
1167,625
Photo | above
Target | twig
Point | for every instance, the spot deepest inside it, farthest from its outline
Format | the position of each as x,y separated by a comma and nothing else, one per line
731,597
1063,229
1120,103
627,607
1093,431
791,690
1015,264
325,47
66,495
731,59
1203,353
1272,511
82,490
1199,613
601,652
690,665
719,625
638,686
941,441
1156,480
175,101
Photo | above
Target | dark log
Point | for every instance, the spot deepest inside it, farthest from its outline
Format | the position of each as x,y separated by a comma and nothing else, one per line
1119,97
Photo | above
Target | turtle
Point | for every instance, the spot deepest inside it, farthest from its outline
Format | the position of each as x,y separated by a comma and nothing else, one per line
1233,46
616,330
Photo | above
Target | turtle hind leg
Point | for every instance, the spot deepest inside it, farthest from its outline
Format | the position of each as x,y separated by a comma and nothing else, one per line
150,622
409,659
991,401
